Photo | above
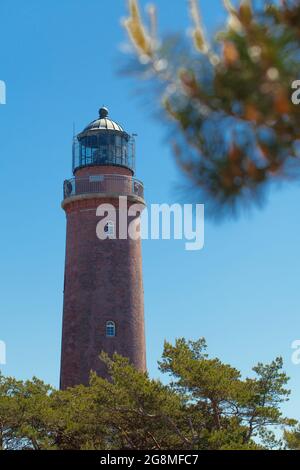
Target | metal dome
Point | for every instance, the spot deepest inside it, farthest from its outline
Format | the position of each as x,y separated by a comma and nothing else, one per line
103,123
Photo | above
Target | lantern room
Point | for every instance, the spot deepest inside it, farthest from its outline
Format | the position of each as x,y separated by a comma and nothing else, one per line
103,142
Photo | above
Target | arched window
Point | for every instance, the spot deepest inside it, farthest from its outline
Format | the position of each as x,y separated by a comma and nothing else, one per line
110,328
110,229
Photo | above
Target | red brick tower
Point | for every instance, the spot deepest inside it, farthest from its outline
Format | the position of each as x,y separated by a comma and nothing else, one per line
103,288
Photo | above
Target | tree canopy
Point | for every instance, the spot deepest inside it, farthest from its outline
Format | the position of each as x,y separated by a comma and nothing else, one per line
207,405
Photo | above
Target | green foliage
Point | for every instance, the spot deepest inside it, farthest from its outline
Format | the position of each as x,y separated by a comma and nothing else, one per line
207,405
22,408
292,438
235,126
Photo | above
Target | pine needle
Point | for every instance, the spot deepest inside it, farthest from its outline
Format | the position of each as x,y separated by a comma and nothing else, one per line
136,30
198,32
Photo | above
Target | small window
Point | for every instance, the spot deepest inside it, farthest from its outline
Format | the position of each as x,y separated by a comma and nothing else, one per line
110,229
96,178
110,329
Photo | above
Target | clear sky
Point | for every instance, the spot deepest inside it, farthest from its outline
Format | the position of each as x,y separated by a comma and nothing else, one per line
60,61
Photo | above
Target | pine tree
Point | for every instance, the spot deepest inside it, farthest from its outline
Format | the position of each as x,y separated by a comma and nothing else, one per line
206,406
232,101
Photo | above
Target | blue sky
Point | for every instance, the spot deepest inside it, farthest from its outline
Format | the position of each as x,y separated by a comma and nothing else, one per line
60,62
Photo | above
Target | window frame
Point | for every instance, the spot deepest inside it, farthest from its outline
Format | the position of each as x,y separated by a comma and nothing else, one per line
109,229
110,326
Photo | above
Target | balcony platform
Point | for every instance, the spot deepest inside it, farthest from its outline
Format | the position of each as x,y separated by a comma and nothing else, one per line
102,186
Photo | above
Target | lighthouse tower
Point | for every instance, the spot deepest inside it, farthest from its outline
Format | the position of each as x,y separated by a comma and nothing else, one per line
103,287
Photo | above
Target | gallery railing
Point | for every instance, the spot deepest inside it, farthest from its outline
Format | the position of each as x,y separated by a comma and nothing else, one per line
103,184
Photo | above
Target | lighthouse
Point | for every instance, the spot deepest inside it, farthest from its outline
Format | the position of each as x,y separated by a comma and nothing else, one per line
103,307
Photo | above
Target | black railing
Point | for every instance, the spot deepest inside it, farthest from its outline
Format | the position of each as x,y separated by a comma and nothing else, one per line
104,184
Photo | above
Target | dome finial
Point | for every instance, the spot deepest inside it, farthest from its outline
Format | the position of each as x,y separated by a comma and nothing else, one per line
103,112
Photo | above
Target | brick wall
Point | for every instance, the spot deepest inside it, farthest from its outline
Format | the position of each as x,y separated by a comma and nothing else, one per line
103,282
